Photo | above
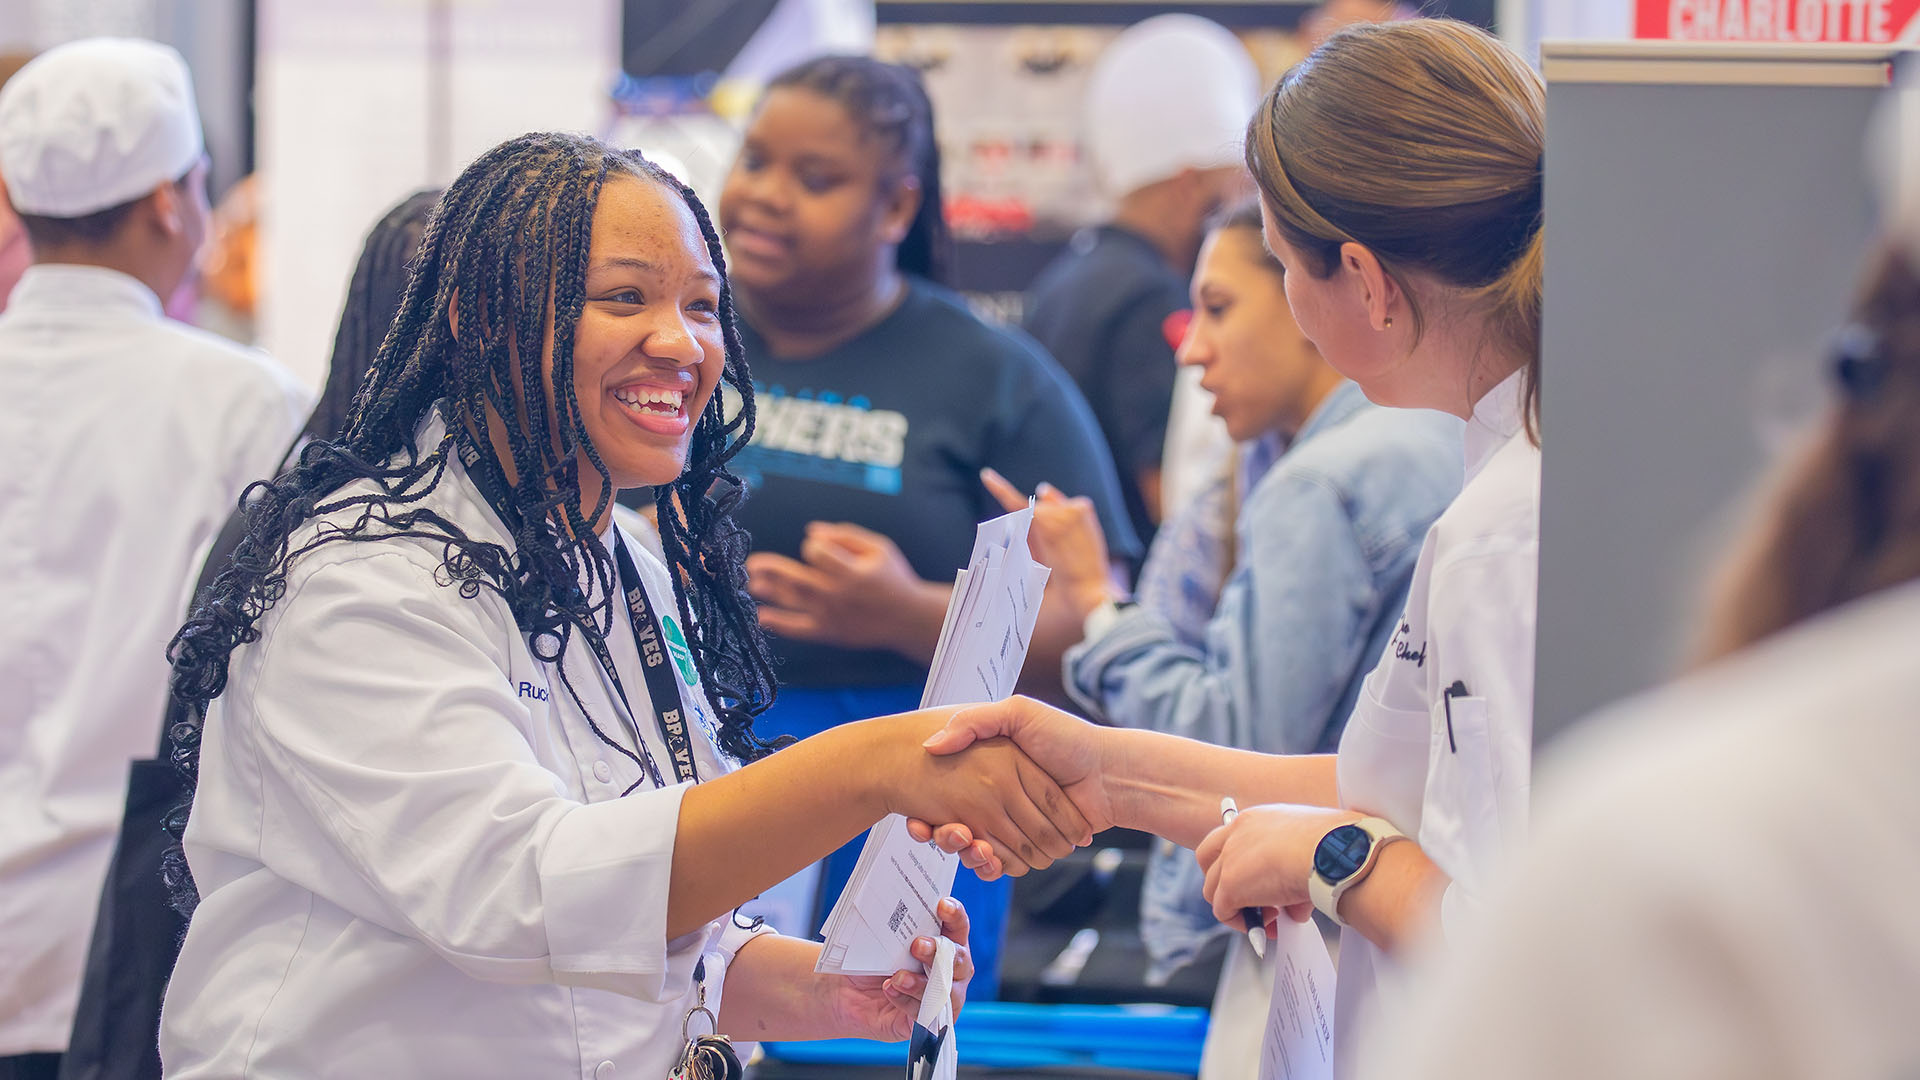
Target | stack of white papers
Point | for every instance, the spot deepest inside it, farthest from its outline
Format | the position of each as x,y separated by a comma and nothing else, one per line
888,902
890,899
996,599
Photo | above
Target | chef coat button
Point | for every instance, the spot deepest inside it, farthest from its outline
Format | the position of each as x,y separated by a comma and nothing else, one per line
606,1069
603,772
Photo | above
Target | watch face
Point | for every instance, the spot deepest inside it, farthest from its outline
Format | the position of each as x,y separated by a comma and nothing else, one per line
1341,853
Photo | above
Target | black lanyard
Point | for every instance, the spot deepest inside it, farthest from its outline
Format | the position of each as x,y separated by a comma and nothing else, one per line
662,687
655,664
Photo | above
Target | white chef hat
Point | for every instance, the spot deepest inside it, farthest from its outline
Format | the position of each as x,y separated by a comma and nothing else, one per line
96,123
1170,93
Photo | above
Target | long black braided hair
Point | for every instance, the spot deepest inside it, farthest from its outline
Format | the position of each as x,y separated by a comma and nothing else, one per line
507,244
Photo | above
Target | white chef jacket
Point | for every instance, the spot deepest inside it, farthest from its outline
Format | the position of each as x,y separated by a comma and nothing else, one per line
1453,772
125,441
413,852
1721,882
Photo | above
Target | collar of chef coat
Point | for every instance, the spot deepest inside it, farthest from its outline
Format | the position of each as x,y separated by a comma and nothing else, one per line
433,427
92,290
426,437
1496,420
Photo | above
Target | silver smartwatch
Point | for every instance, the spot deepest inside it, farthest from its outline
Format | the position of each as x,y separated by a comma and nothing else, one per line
1344,858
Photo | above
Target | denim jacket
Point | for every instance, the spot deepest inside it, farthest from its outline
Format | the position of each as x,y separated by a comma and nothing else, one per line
1325,547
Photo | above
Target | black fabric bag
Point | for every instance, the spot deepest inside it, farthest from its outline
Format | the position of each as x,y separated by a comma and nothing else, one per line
136,937
137,932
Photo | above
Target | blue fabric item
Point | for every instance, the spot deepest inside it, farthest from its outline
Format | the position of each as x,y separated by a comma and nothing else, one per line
807,711
1013,1035
1193,553
1326,544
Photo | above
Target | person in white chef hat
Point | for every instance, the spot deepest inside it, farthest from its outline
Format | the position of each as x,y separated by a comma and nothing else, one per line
126,439
1166,111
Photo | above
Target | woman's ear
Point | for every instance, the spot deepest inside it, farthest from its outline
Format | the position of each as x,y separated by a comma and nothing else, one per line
903,205
1379,293
453,313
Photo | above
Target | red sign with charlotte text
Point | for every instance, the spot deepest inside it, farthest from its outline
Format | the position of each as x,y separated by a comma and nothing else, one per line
1861,21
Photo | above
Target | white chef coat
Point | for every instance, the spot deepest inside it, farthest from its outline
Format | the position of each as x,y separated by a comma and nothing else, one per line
1459,788
413,852
125,441
1721,882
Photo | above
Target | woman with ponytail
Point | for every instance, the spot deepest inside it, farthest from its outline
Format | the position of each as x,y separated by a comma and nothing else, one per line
1722,878
478,784
1399,172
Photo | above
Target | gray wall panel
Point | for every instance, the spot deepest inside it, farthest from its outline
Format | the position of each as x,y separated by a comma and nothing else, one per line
1697,236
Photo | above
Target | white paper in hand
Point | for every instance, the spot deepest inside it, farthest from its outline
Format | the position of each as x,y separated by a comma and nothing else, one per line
895,887
1299,1040
989,625
891,899
933,1053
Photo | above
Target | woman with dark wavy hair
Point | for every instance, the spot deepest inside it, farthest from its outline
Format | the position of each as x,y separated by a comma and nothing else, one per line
469,795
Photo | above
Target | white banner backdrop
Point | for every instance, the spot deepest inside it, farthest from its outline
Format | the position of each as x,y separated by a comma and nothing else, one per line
360,102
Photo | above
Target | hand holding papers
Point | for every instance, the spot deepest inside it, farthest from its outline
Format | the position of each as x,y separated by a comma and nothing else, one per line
890,898
996,599
889,901
933,1053
1299,1039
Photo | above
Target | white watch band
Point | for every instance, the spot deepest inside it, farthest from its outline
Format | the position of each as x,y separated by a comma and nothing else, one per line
1326,894
1100,620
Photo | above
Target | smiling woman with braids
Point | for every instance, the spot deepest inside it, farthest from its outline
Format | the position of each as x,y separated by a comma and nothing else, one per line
448,821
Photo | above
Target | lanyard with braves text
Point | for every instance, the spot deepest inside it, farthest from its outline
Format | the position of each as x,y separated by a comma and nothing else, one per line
662,687
669,708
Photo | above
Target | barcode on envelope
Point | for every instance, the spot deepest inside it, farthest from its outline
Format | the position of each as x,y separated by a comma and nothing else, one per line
899,916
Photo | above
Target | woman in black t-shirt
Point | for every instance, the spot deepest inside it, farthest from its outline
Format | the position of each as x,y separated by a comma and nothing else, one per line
881,398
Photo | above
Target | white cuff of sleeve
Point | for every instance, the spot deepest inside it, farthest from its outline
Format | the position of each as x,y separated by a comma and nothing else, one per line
1102,619
605,873
1458,912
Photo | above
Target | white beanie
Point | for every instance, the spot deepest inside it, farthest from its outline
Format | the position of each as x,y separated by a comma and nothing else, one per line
1171,93
92,124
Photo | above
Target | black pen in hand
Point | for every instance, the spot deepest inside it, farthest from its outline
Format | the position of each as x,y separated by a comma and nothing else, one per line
1250,917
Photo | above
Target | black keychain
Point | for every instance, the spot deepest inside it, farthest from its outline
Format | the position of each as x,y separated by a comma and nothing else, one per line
709,1056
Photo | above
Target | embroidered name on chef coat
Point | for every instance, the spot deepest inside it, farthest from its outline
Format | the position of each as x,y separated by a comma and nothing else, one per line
1403,646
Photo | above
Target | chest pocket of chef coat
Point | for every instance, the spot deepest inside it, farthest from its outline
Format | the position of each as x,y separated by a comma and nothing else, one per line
1460,819
1382,764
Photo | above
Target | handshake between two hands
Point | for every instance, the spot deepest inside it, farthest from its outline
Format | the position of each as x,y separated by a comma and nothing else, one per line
1041,782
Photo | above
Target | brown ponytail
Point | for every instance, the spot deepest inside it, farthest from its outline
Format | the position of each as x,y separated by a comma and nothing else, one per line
1421,141
1843,519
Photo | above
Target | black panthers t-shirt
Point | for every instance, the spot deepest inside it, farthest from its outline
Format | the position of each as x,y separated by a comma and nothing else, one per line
890,431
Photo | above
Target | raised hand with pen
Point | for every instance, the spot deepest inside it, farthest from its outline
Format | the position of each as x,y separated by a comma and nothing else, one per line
1066,537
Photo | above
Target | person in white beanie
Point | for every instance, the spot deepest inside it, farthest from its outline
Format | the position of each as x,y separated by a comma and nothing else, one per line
127,439
1167,107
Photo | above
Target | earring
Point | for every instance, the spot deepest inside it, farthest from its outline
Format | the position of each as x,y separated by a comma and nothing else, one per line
1389,324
